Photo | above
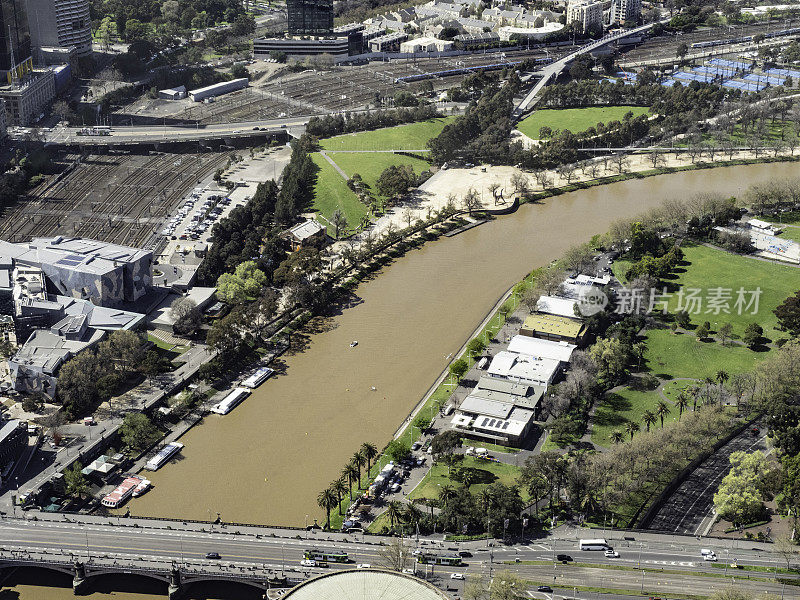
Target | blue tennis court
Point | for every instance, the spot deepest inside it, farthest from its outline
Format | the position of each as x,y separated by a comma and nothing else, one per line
764,79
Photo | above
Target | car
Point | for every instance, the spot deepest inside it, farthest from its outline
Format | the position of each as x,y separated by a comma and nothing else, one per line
363,566
395,487
416,552
456,576
214,555
465,554
406,473
563,557
307,562
710,557
544,588
611,553
415,446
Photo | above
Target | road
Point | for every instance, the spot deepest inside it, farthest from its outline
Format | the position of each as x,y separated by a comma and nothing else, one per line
553,70
671,564
122,134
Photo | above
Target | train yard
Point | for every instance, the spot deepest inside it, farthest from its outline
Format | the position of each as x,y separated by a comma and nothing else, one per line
121,198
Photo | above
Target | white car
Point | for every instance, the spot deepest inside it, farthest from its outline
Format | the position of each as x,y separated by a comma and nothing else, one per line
307,562
456,576
363,566
416,552
612,554
710,557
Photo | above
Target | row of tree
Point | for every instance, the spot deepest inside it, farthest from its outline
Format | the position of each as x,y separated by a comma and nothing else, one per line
330,125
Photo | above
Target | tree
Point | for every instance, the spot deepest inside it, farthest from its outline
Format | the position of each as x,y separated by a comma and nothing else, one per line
369,451
701,332
327,500
785,546
359,461
338,487
75,482
475,347
725,331
610,356
788,313
631,427
682,402
752,334
662,410
339,222
649,419
394,511
351,473
617,436
397,450
471,200
186,317
681,50
138,432
459,368
682,319
244,284
445,442
244,25
395,180
721,377
395,555
521,185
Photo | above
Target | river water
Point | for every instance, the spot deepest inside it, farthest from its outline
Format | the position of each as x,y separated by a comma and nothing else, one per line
266,461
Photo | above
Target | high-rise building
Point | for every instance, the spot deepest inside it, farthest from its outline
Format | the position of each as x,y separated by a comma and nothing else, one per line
15,41
589,13
59,24
626,11
309,17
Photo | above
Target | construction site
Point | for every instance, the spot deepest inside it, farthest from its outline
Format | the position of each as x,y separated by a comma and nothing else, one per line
117,197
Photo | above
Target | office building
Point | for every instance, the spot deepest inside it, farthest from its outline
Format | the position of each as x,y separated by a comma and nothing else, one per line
588,13
16,60
26,99
626,11
59,24
309,17
13,439
337,47
3,125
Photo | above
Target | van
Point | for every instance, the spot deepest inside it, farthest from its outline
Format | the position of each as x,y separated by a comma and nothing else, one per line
706,552
448,409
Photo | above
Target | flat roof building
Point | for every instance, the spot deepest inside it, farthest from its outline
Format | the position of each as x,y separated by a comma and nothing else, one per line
425,44
523,368
335,46
305,234
588,13
553,305
388,43
541,348
27,99
554,328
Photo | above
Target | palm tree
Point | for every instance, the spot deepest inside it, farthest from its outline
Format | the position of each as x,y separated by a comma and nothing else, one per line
359,461
682,402
709,383
631,428
446,494
327,500
694,391
662,410
616,436
648,418
412,514
429,502
721,377
394,511
339,487
369,451
350,472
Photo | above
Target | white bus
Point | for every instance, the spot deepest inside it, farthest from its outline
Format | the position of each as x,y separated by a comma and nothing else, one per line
599,544
230,401
257,378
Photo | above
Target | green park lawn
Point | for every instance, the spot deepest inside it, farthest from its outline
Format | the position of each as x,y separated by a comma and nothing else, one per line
711,268
791,233
331,193
370,166
492,472
621,406
575,119
412,136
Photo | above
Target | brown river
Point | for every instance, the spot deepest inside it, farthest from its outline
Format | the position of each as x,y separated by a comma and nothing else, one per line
266,461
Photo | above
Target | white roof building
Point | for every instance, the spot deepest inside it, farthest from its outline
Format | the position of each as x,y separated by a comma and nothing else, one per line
524,368
536,33
573,287
425,44
553,305
539,348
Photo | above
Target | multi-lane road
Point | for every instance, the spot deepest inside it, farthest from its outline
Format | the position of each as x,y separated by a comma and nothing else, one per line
669,564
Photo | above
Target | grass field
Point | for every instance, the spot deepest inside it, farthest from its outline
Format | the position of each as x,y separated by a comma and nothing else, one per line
492,472
331,192
402,137
710,268
370,166
620,407
791,233
575,119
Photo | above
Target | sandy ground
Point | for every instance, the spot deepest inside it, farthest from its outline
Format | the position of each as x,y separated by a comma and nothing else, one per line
433,194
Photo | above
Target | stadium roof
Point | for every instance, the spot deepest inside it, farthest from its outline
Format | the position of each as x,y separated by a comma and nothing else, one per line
365,584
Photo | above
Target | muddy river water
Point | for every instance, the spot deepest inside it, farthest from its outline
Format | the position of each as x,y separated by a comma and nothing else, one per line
266,461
